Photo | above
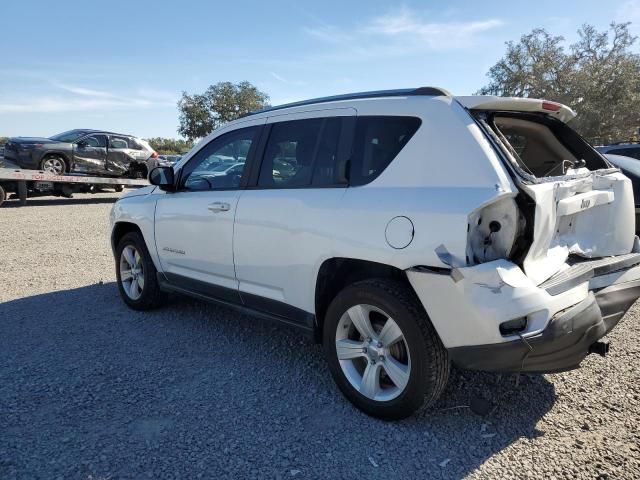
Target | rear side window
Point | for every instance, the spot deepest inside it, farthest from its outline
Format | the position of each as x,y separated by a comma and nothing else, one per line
302,153
135,144
378,140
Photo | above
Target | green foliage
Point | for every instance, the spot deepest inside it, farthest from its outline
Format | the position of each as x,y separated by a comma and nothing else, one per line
3,140
220,103
169,146
598,76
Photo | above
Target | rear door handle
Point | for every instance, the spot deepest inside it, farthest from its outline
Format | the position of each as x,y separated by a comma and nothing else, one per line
216,207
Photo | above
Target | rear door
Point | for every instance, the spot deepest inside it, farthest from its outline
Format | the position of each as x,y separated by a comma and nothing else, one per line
194,225
291,203
90,154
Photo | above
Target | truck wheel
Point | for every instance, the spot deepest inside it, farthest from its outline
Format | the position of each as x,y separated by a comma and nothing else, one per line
3,195
54,164
382,350
136,274
22,193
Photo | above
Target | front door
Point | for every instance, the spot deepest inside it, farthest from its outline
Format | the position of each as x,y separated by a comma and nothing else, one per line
90,154
194,226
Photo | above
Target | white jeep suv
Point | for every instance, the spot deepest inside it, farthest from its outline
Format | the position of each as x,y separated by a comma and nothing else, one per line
405,230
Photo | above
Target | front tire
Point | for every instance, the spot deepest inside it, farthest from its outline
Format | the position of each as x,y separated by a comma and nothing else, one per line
382,350
136,274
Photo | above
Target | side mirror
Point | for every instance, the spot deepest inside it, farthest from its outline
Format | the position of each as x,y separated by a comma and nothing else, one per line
162,177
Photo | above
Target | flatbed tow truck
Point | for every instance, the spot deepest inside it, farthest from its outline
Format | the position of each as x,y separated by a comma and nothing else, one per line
25,184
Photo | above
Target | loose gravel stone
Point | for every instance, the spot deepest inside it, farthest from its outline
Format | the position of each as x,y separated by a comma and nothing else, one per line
90,389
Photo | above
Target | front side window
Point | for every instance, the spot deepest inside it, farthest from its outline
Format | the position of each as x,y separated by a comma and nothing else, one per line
220,164
377,141
301,153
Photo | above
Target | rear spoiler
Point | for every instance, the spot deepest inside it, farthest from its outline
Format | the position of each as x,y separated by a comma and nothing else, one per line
515,104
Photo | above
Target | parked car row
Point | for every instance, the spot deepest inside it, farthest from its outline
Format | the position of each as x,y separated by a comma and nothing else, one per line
404,230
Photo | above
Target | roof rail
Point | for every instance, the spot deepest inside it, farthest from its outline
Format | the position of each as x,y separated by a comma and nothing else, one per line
403,92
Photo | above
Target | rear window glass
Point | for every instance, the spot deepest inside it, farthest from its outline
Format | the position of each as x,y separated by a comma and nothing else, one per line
544,147
377,141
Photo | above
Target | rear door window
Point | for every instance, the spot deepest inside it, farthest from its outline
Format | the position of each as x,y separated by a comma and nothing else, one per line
118,142
95,141
302,153
378,140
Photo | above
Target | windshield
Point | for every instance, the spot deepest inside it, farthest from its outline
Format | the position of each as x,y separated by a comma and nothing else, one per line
70,136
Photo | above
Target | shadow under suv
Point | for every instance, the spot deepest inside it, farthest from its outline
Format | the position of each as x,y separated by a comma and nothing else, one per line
87,151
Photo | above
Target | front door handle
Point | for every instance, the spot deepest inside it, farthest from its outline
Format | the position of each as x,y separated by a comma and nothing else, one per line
216,207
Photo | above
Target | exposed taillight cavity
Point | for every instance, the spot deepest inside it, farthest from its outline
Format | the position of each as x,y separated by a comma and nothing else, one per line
492,231
551,106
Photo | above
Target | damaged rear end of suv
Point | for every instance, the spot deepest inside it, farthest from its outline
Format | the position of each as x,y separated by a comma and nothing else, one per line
552,262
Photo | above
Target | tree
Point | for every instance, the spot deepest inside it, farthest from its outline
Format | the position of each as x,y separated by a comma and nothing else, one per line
169,146
598,76
223,102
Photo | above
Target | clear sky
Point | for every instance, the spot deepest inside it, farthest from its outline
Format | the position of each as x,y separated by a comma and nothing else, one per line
121,65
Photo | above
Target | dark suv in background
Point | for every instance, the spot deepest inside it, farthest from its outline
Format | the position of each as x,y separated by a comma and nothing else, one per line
627,149
93,152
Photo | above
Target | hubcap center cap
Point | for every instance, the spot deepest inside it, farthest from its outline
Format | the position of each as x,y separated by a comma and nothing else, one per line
374,351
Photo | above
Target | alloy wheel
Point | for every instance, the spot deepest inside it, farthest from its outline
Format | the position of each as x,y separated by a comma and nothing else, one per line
54,165
131,272
373,352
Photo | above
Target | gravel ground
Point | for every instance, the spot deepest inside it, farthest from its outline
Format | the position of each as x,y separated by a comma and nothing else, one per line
92,390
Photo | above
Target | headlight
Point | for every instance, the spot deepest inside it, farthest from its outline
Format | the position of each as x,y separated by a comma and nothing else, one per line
493,230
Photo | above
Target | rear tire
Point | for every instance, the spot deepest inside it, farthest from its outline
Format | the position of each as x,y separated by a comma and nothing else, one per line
411,370
136,274
54,164
3,195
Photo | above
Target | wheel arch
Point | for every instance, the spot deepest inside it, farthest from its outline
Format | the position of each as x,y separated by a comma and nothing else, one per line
336,273
120,229
56,153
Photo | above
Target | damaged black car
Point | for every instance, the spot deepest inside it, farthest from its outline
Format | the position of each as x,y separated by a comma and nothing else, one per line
86,151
